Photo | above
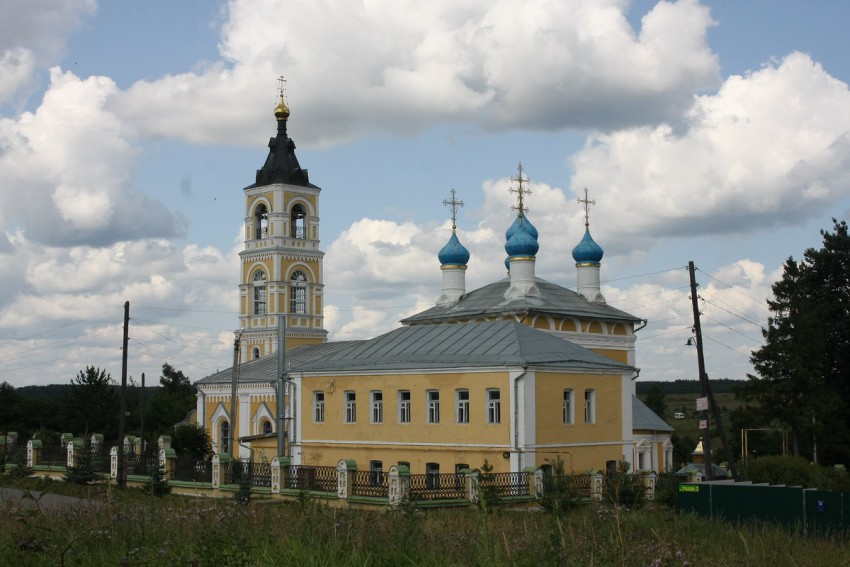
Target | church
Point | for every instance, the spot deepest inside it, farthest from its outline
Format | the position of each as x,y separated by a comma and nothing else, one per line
519,373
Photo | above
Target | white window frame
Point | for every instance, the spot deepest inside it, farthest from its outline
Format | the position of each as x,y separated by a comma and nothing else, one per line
462,406
350,406
318,407
569,406
590,406
432,409
377,403
260,295
404,406
494,406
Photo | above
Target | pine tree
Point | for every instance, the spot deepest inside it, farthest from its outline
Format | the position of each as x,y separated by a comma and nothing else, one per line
802,375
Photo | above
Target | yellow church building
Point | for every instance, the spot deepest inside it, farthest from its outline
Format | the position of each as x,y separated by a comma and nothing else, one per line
519,373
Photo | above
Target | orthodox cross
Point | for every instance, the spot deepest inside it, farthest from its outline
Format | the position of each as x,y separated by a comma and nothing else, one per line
520,190
454,204
586,204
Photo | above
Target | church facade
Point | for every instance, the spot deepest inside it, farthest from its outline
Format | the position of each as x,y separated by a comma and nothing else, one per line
519,373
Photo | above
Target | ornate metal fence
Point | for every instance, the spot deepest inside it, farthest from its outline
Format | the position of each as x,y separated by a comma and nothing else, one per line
143,463
370,483
258,474
501,485
581,485
190,469
437,486
53,456
320,479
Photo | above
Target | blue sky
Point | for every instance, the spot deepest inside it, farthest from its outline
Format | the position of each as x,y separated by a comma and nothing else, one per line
706,131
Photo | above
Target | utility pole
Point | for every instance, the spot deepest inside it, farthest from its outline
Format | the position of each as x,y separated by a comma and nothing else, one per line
122,471
703,377
281,388
234,379
144,454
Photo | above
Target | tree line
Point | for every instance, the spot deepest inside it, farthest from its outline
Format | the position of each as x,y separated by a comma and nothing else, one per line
90,403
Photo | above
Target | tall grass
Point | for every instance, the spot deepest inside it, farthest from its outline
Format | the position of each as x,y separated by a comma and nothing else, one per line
129,529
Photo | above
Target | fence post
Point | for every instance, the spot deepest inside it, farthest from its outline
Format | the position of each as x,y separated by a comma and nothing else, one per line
538,483
597,485
345,469
12,438
167,460
649,481
398,484
113,462
472,486
72,446
275,470
216,470
34,447
164,442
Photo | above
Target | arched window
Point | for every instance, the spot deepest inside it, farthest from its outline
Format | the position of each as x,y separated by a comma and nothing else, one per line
261,221
224,437
255,353
267,427
297,222
298,292
260,293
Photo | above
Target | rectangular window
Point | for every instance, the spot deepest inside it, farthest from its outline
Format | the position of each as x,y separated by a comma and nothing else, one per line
404,406
377,407
462,406
432,475
433,406
319,407
568,407
589,406
350,407
298,300
260,299
376,472
494,406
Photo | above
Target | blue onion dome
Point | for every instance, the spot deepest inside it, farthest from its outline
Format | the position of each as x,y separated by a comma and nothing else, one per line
453,253
521,243
587,251
523,222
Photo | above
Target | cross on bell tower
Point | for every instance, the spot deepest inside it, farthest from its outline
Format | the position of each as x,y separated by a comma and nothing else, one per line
586,203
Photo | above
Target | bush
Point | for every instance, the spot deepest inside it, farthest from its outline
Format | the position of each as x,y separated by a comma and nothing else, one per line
158,484
624,489
793,471
559,495
21,468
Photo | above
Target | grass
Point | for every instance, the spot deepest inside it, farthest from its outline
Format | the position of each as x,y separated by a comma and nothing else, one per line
131,529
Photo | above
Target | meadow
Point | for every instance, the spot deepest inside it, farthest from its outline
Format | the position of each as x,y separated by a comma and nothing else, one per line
129,528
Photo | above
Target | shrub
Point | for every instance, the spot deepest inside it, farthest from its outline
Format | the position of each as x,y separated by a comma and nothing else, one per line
624,489
158,483
559,495
793,471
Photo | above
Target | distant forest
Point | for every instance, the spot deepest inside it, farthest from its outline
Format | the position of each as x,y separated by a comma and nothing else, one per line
57,392
718,386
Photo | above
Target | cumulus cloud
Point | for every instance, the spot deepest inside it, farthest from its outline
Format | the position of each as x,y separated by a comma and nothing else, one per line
33,36
377,65
767,149
67,171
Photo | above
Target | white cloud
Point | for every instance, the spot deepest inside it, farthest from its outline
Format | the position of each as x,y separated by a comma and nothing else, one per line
33,36
769,148
74,161
372,65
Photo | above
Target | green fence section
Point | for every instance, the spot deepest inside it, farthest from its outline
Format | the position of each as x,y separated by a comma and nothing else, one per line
822,512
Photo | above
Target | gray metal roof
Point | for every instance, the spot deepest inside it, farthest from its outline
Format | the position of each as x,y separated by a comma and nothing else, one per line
498,343
490,300
423,347
645,418
265,369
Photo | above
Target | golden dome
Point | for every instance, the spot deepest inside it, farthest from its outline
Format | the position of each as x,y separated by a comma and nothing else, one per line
281,111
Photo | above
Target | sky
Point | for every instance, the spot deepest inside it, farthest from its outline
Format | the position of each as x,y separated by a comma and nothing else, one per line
714,132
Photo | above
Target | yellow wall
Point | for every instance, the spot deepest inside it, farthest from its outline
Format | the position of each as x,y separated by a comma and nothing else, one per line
418,442
551,429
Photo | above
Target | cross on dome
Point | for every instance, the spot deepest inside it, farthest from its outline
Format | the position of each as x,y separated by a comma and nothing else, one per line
454,204
586,203
520,190
281,82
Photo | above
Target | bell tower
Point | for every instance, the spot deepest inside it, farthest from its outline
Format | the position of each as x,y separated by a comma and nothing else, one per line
281,263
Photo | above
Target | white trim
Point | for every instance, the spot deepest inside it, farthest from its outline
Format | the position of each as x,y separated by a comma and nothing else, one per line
397,443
